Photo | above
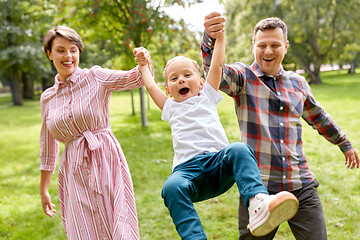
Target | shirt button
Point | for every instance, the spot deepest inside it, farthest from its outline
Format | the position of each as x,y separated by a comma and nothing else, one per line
281,124
281,141
281,108
283,158
284,177
279,93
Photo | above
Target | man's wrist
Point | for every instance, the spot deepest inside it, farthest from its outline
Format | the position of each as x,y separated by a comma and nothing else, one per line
345,146
208,41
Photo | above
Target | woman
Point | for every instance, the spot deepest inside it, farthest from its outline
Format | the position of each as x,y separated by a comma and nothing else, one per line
95,188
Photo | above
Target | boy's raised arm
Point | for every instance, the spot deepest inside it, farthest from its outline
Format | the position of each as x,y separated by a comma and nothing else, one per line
215,71
158,96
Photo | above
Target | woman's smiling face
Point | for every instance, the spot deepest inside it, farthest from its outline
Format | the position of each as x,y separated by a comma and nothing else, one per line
65,57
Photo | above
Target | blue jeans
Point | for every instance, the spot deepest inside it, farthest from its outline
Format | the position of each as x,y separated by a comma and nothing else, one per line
206,176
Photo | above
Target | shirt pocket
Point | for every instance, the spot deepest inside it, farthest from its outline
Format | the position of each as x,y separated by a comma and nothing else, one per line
296,102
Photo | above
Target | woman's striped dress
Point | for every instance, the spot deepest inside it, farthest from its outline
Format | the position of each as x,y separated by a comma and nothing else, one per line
95,188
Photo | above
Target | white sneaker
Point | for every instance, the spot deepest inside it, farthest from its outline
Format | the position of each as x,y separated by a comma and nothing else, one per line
266,212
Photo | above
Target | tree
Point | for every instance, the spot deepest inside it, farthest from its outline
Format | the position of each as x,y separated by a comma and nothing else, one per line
346,48
313,26
20,47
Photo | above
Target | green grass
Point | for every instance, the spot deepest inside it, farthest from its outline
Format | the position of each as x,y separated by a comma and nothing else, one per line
149,154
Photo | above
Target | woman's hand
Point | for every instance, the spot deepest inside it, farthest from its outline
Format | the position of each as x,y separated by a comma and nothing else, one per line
47,205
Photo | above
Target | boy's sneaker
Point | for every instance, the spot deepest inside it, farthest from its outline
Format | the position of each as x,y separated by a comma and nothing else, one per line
266,212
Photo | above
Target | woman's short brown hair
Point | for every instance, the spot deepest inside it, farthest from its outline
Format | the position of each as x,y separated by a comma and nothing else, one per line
65,32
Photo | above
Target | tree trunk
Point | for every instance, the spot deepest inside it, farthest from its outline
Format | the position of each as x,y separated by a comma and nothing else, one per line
28,87
15,86
314,77
314,71
132,102
143,108
352,68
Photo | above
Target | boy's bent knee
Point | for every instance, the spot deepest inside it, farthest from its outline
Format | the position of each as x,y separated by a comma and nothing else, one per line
239,147
174,186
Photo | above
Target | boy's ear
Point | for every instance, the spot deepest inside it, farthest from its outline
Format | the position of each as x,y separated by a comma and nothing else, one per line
168,92
202,82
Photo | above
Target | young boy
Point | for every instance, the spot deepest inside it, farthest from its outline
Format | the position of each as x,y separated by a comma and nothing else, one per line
205,165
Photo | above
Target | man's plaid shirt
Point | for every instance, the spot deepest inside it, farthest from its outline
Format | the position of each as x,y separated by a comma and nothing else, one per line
268,111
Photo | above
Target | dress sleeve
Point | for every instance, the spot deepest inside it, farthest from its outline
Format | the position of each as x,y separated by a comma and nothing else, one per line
117,80
315,115
49,146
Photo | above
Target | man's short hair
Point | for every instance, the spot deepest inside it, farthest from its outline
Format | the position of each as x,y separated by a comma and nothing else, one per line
269,24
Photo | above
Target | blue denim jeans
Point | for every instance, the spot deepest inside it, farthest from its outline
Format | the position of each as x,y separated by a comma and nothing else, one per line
206,176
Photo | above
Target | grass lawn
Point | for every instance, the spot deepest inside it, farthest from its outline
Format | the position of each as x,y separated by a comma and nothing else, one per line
149,154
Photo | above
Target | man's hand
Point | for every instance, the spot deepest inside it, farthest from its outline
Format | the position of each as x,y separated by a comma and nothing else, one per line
351,159
214,24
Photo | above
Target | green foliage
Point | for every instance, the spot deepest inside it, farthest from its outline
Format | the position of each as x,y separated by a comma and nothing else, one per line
149,154
21,57
20,38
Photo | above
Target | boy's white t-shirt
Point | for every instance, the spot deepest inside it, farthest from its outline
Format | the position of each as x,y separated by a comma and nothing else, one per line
195,125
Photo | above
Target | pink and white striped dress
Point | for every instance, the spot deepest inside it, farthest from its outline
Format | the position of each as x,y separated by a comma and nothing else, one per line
95,188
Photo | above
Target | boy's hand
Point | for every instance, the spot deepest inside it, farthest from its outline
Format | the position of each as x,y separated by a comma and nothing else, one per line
214,24
142,56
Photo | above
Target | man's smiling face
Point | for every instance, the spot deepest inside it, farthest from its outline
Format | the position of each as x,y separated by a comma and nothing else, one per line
269,49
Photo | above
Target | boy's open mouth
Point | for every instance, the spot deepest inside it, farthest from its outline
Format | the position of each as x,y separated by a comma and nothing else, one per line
184,91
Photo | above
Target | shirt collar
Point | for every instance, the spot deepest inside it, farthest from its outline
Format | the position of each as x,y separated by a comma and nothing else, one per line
72,78
255,67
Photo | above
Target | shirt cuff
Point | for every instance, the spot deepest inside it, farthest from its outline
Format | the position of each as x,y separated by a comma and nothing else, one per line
208,42
47,167
345,145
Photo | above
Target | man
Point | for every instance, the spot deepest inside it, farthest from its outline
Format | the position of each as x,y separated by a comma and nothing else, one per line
269,103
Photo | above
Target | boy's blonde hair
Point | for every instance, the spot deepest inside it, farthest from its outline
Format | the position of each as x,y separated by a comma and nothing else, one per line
65,32
177,58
